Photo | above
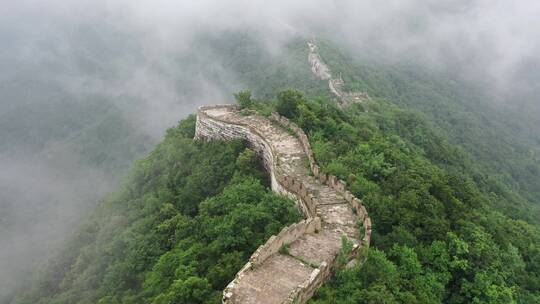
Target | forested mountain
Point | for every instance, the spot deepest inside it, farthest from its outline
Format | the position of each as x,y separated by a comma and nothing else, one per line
443,231
186,221
57,161
449,179
498,131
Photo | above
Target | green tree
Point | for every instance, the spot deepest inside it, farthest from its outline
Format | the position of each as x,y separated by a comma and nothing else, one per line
243,98
288,102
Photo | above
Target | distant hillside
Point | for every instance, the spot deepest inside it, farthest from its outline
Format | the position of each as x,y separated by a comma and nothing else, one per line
503,141
444,229
449,179
500,135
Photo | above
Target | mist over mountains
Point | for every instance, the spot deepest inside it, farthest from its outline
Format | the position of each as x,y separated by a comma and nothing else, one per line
87,87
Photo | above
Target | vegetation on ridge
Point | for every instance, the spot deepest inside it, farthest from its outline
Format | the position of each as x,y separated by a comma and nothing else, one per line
439,233
185,223
451,202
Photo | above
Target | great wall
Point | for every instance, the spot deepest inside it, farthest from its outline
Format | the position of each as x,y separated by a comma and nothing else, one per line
291,265
336,85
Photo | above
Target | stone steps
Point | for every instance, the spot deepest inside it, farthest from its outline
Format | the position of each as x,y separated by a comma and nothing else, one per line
274,279
316,248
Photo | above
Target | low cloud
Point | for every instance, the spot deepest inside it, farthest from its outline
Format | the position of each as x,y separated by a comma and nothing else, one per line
39,201
139,56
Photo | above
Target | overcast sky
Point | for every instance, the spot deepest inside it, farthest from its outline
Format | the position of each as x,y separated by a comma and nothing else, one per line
495,40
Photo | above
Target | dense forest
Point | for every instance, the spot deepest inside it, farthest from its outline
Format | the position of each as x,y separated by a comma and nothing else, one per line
444,230
185,222
450,182
499,133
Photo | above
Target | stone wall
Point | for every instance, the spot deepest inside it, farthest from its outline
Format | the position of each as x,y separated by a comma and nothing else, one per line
212,128
319,275
322,71
331,180
305,291
335,86
286,236
318,67
273,245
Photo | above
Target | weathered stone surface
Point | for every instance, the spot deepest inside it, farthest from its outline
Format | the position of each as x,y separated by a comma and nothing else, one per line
291,275
272,281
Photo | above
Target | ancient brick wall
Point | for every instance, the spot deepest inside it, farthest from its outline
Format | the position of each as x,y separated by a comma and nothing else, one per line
331,180
322,71
213,128
305,291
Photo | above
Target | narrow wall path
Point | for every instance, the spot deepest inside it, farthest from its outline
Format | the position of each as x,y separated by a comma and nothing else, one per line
290,266
322,71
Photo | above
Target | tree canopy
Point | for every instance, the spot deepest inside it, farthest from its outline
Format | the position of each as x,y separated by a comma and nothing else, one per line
444,230
187,220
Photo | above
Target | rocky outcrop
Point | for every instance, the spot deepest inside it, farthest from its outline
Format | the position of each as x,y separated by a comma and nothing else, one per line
291,265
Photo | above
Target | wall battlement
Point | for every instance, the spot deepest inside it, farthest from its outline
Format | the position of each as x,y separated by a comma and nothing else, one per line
292,275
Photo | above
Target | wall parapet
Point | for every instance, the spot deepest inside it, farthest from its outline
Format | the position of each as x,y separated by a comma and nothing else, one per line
280,182
330,179
212,127
273,245
303,292
286,236
336,85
